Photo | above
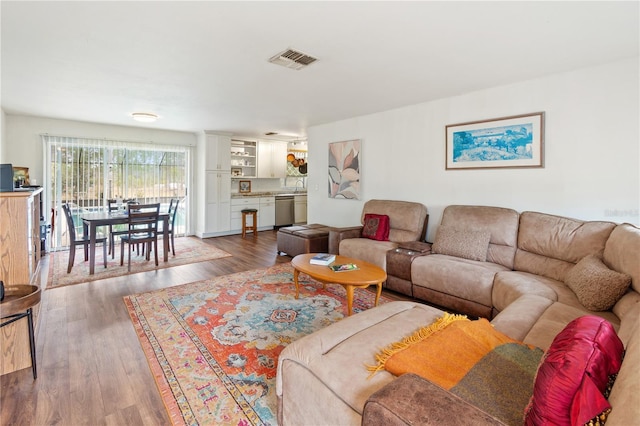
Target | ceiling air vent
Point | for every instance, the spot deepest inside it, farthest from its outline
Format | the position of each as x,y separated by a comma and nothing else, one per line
292,59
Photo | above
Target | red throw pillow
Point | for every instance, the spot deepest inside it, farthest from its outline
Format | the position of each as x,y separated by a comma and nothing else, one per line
574,373
376,227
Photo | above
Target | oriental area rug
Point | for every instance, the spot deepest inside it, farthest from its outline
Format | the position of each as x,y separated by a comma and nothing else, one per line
213,345
188,250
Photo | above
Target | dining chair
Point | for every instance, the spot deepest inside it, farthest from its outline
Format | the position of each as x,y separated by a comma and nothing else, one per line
142,228
74,241
114,206
173,210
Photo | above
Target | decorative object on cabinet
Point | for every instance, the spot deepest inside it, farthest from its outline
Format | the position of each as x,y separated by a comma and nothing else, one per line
507,142
21,176
244,186
236,172
344,169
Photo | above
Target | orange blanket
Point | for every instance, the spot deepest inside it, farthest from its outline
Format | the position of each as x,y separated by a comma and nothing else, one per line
470,359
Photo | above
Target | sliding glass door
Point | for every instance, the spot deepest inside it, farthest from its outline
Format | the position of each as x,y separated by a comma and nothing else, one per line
86,173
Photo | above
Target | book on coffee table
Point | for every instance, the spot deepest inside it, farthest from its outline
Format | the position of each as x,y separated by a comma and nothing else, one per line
322,259
344,267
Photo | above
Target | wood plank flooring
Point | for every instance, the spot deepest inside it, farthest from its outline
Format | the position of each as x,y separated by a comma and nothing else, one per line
91,368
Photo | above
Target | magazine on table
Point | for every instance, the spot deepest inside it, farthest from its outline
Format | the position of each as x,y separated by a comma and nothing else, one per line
322,259
344,267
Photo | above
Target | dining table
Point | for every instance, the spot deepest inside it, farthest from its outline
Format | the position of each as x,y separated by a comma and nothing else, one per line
92,221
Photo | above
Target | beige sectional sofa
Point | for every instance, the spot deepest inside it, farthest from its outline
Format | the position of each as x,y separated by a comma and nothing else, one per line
532,262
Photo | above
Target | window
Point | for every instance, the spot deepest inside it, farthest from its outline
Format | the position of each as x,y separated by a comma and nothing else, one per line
86,173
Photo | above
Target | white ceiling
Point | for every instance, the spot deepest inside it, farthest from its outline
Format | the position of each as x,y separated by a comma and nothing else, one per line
203,65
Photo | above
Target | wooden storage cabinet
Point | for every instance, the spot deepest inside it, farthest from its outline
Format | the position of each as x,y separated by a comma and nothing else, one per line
19,264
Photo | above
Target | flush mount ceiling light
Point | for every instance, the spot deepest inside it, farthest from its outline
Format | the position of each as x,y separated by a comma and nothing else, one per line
144,117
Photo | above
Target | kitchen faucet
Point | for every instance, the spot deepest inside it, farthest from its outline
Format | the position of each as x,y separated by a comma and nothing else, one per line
297,182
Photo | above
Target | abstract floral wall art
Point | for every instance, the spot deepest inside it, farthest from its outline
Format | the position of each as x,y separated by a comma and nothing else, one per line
344,169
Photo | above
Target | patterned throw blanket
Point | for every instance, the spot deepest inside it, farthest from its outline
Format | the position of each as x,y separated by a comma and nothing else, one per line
470,359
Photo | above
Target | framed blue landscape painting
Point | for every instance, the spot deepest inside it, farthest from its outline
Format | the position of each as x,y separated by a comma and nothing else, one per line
506,142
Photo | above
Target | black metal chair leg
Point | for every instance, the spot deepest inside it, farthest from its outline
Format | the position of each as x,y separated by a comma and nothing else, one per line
32,343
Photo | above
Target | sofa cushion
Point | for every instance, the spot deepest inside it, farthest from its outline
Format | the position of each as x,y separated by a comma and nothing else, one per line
508,286
462,278
574,374
376,227
598,288
371,251
330,363
621,252
501,223
551,245
467,243
625,391
407,220
422,403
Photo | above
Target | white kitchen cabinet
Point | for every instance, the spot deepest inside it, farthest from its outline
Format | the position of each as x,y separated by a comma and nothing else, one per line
272,159
217,152
217,201
239,204
244,156
213,183
267,212
300,209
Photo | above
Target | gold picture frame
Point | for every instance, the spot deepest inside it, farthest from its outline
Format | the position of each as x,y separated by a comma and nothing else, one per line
506,142
244,186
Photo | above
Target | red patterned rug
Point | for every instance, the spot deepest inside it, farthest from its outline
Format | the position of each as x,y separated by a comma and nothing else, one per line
188,250
213,345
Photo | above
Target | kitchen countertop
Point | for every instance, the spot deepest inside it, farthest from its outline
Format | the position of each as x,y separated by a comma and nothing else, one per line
267,194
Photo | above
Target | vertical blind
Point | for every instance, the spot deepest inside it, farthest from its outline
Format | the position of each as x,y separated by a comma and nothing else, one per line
86,173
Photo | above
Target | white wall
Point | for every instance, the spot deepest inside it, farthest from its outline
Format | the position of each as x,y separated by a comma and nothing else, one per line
3,127
592,154
22,145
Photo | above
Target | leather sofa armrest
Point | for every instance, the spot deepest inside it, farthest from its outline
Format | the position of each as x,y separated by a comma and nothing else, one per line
412,400
338,234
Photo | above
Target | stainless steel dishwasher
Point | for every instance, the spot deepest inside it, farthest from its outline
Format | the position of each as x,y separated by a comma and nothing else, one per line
284,210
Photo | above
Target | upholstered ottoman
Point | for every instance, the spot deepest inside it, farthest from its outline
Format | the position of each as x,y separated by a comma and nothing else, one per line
295,240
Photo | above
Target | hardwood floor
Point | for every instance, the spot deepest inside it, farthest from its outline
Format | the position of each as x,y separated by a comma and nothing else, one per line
91,369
